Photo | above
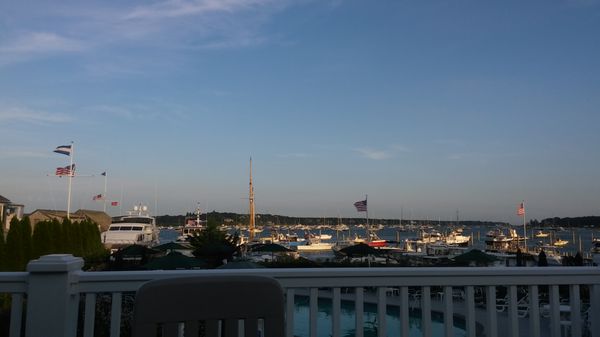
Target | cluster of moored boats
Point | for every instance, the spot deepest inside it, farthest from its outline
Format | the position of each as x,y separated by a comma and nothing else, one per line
427,247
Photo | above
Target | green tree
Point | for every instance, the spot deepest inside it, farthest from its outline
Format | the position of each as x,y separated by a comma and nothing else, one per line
25,224
214,245
2,251
42,243
15,257
542,259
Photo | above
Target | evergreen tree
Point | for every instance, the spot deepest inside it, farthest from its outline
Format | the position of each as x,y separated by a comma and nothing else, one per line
27,239
15,257
2,251
542,259
578,259
42,239
214,245
55,238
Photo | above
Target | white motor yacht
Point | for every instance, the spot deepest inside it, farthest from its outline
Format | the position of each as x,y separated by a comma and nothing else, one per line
138,228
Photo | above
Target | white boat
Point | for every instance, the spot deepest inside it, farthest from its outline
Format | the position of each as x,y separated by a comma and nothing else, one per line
136,228
314,246
191,227
456,238
560,243
541,234
595,250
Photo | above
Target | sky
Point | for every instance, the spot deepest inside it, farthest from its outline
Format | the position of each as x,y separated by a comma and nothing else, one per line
427,107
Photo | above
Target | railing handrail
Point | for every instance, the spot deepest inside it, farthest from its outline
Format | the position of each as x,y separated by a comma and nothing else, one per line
13,282
58,281
332,277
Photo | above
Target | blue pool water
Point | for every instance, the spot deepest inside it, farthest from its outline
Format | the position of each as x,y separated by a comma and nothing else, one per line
302,327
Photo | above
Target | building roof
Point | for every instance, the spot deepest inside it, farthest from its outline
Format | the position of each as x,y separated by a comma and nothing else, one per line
3,200
51,213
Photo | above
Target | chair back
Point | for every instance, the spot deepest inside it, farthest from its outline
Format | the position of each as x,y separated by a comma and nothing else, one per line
210,306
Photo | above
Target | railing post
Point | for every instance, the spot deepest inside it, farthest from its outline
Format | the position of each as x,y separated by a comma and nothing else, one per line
51,302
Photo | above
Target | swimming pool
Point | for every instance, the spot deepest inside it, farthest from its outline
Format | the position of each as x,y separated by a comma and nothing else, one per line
347,320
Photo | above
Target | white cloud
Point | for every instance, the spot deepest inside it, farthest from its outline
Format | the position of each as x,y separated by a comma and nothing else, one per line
293,155
41,42
30,116
35,44
23,154
373,153
379,154
178,8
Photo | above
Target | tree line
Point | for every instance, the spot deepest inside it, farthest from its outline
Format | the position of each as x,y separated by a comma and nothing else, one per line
265,219
21,244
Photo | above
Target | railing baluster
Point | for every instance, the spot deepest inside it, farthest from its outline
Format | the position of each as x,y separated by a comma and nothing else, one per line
115,315
492,319
426,311
89,315
513,317
575,303
16,314
289,313
554,311
314,311
336,311
594,310
470,311
404,314
534,311
448,312
359,309
381,311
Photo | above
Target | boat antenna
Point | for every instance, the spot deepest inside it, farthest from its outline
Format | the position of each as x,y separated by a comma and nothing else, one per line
198,215
251,207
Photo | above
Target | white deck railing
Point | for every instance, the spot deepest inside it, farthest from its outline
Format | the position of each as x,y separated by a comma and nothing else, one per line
49,295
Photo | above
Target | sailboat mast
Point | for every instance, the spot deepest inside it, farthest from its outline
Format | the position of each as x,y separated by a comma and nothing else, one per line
367,214
251,207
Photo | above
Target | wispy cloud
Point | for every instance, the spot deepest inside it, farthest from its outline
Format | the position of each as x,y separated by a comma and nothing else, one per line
33,44
382,154
23,154
25,115
294,155
178,8
373,153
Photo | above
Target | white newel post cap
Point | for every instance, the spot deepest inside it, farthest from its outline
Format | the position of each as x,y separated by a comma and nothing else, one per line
55,263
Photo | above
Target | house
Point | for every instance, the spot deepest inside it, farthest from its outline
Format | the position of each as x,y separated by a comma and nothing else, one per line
8,210
102,219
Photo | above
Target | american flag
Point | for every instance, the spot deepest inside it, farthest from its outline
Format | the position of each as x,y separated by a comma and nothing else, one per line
64,149
361,206
98,197
65,171
521,209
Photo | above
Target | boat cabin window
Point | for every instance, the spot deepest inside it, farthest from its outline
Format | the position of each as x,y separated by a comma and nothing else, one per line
114,228
125,228
128,219
137,228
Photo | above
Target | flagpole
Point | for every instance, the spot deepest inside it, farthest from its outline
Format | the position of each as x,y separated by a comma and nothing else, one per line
70,180
105,184
524,226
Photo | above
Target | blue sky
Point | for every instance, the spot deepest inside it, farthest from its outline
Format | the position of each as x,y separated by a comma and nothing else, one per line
426,106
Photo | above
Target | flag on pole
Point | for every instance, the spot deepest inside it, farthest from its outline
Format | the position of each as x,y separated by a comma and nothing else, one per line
64,149
361,206
521,209
98,197
68,170
103,173
114,203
